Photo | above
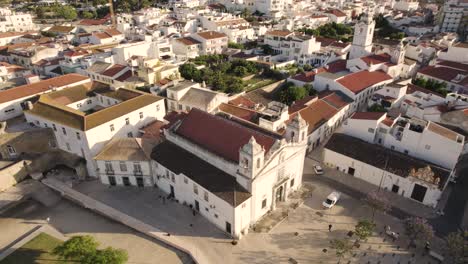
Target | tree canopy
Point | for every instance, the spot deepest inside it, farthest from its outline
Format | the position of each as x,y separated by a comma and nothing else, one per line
364,229
385,30
418,229
330,30
457,247
438,87
377,203
84,249
290,93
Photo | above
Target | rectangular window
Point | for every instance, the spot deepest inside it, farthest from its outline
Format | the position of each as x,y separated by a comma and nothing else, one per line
129,134
167,174
108,166
137,167
371,130
172,177
292,183
11,150
64,131
78,136
205,195
68,147
195,188
141,115
127,121
264,202
157,107
185,180
111,128
123,166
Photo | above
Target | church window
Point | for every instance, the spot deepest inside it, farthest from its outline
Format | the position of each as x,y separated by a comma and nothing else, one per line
258,163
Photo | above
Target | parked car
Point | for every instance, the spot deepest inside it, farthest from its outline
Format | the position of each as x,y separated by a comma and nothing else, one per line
331,200
318,169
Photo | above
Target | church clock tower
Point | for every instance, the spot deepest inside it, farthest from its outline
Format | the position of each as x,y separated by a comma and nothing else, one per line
362,39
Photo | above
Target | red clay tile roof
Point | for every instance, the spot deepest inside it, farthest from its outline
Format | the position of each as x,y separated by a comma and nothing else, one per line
444,73
240,112
113,70
39,87
211,34
153,130
219,135
359,81
376,59
279,33
308,76
368,115
93,22
336,12
335,100
388,121
243,102
453,64
336,66
173,117
316,114
301,104
124,76
188,41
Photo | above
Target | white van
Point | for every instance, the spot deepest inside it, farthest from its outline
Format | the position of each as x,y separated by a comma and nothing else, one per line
331,200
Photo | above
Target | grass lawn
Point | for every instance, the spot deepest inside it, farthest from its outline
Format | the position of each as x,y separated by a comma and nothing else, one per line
36,251
257,82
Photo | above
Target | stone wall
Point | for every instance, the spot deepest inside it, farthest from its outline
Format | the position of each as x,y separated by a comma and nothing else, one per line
13,174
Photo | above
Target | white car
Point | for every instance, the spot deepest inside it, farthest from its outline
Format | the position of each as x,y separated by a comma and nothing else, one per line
331,200
318,169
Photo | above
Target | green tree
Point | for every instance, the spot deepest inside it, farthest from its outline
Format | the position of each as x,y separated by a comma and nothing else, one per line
364,229
88,15
291,93
106,256
341,247
377,202
188,71
456,247
234,45
267,50
376,108
241,71
66,12
418,230
76,248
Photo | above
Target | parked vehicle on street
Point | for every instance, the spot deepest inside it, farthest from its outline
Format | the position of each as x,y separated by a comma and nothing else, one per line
318,169
331,200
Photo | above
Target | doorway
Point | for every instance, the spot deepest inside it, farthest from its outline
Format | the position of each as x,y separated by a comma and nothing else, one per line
197,206
172,194
419,192
126,181
395,188
228,227
140,182
351,171
112,181
279,194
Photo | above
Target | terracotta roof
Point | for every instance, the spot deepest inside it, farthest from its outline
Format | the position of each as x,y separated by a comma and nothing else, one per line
127,149
308,76
279,33
316,114
113,70
124,76
445,132
173,117
188,41
336,13
211,34
388,121
376,155
359,81
413,88
336,99
243,102
93,22
242,113
153,130
445,73
219,135
29,90
216,181
367,115
453,64
336,66
12,34
61,29
376,59
301,104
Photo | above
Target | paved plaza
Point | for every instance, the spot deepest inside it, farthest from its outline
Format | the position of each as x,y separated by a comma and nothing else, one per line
70,219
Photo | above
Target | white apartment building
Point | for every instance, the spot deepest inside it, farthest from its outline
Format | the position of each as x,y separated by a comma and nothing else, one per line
232,185
453,15
84,118
14,100
236,29
390,170
456,53
211,42
186,48
418,138
13,21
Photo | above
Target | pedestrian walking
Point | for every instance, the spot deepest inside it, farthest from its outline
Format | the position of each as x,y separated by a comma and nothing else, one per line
330,227
427,247
164,200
